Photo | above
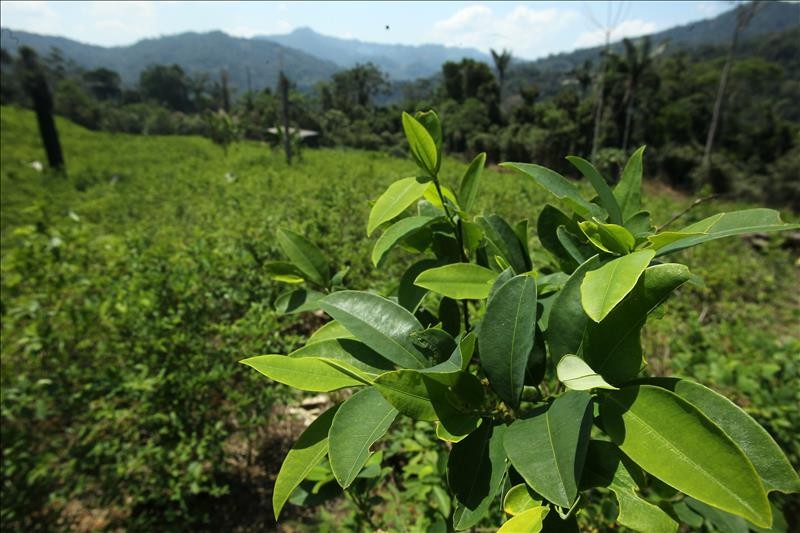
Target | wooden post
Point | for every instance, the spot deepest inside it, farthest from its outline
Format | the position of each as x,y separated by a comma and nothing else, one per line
283,89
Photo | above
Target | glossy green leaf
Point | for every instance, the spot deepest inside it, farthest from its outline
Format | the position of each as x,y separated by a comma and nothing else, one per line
430,121
443,434
408,392
518,499
360,421
628,191
306,453
609,238
640,224
578,251
613,346
298,301
305,256
307,373
436,343
284,271
432,195
394,234
349,351
469,182
530,521
409,295
665,238
549,449
575,374
560,187
379,323
604,288
458,281
567,320
600,185
729,224
396,199
423,147
458,360
502,236
507,335
762,450
328,331
671,439
606,467
475,469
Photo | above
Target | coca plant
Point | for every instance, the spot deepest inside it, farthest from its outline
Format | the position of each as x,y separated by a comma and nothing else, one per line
533,373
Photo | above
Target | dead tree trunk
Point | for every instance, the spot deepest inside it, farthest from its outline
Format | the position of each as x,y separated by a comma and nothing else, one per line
36,86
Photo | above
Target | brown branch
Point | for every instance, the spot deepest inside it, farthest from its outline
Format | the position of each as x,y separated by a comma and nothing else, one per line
691,206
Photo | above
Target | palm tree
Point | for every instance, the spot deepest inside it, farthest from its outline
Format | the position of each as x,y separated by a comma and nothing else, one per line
501,62
638,60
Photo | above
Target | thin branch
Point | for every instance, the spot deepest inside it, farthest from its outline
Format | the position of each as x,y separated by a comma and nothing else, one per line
691,206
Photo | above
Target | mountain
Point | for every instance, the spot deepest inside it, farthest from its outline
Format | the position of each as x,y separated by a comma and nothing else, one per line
196,53
771,17
399,61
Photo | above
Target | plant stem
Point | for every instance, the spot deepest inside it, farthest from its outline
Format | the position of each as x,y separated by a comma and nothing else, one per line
691,206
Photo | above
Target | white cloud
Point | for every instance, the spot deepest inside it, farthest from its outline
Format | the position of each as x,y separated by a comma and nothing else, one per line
35,17
528,32
711,9
627,28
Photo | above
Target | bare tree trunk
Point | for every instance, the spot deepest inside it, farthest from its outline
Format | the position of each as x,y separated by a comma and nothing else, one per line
283,87
39,91
598,116
744,18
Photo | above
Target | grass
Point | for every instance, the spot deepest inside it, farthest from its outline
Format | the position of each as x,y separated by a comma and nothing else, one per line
149,248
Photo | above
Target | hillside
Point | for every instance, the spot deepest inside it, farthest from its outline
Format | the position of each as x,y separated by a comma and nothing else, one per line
194,52
400,62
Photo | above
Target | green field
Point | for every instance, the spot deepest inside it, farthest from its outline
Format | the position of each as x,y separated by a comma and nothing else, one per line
133,285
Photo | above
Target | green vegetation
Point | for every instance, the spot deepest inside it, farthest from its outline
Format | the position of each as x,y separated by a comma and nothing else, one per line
131,286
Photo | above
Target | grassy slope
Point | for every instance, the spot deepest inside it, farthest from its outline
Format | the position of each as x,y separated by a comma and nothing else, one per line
735,334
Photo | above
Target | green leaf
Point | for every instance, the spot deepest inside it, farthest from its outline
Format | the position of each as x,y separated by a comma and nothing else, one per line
575,374
549,449
460,281
507,335
606,467
409,295
284,271
475,469
469,182
729,224
432,196
530,521
396,199
458,360
328,331
472,235
576,250
502,236
347,350
613,346
550,218
762,450
640,224
518,499
628,191
298,301
609,238
671,439
307,373
600,185
560,187
379,323
423,147
305,256
306,453
430,120
604,288
656,242
443,434
359,423
394,234
567,321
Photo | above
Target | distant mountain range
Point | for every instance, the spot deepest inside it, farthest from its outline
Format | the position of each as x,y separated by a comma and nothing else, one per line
399,61
308,57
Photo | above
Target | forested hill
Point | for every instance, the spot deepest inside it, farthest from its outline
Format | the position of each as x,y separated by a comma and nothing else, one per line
308,57
400,62
196,53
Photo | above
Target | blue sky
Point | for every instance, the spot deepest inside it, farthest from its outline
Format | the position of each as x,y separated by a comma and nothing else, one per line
529,29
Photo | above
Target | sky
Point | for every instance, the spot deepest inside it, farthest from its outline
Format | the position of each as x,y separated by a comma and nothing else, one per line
529,29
